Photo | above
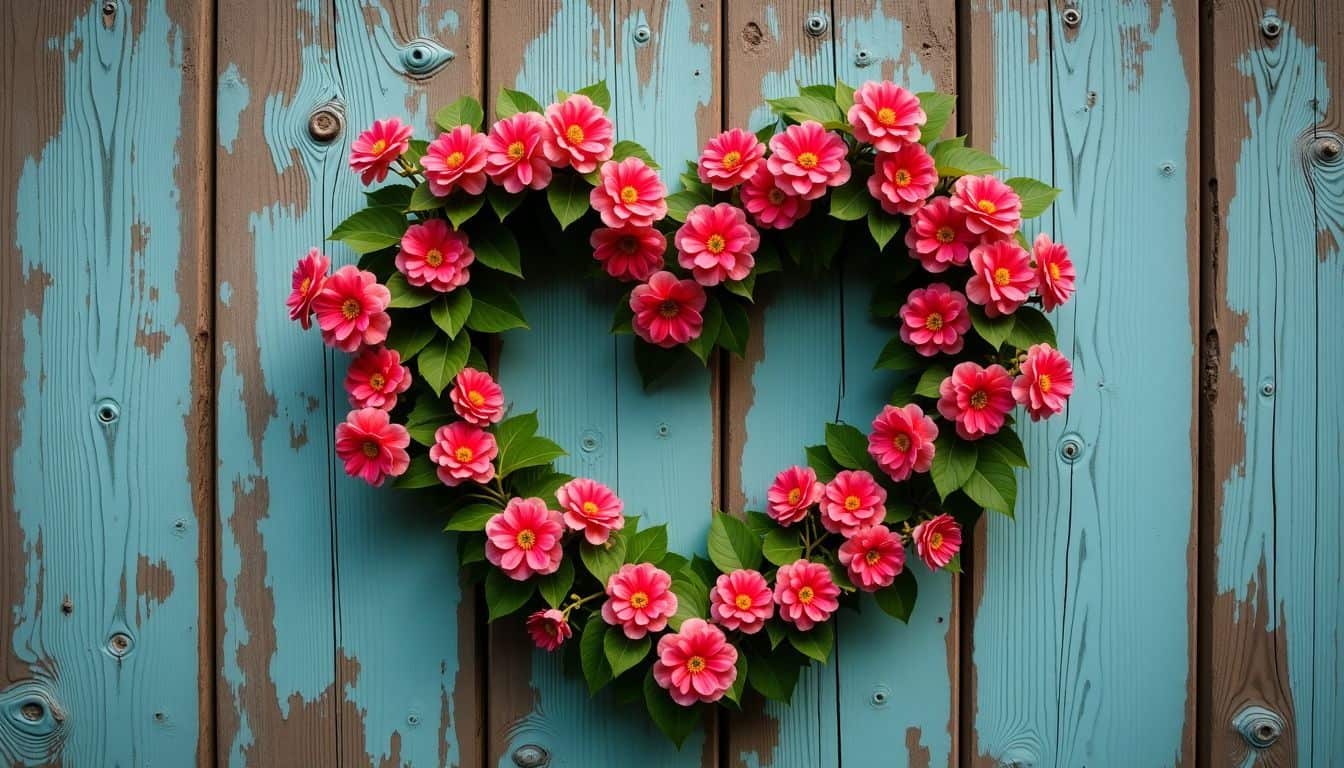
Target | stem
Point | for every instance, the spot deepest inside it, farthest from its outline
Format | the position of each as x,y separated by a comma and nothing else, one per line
578,601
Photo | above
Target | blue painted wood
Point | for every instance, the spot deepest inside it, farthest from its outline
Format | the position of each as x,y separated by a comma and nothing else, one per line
1093,582
100,534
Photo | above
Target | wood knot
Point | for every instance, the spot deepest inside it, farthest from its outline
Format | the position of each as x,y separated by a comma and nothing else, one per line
752,34
325,123
1259,727
531,756
1327,149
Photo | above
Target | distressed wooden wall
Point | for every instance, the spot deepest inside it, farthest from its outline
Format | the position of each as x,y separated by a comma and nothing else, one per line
187,577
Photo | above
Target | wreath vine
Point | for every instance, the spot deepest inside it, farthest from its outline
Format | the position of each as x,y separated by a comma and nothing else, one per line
839,173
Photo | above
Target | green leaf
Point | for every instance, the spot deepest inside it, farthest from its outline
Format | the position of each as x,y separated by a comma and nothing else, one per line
1005,446
472,517
844,96
815,244
460,207
496,248
503,595
808,106
782,546
464,111
777,633
744,287
554,587
424,200
820,460
512,102
515,428
816,643
426,417
953,462
623,322
931,380
420,474
494,310
735,328
732,545
675,721
774,675
602,560
654,363
502,202
994,330
371,229
598,93
692,599
680,204
405,295
540,482
592,654
734,692
1031,327
882,226
1036,195
393,195
408,338
647,546
471,549
712,315
898,356
850,201
528,452
759,523
938,107
568,197
963,161
450,312
849,446
992,485
898,600
443,359
626,148
622,652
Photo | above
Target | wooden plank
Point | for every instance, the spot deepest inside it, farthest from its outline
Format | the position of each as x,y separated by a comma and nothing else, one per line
1083,630
657,448
314,592
105,512
1273,591
836,709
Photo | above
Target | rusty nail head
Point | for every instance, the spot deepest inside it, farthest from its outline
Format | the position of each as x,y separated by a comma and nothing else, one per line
119,644
816,24
324,125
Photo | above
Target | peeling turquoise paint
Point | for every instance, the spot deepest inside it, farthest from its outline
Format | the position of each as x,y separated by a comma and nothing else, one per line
232,98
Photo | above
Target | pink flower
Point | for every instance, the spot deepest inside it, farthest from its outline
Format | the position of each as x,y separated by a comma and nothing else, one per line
477,398
741,601
667,310
1054,272
376,377
549,629
591,507
373,151
806,159
903,180
351,309
805,594
938,236
874,557
902,441
639,599
853,500
794,491
514,158
937,540
976,398
629,253
309,275
434,254
696,664
581,134
371,446
456,160
1003,278
629,193
933,320
1045,383
524,539
992,208
886,116
730,159
770,206
463,453
716,243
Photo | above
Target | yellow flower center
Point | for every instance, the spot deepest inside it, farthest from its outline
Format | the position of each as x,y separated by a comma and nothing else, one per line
475,398
629,195
454,160
886,116
464,454
945,235
1043,381
852,503
575,134
1054,271
902,178
370,449
775,196
979,400
434,257
987,206
669,309
526,539
872,556
795,495
936,541
695,664
934,322
901,442
743,602
589,508
807,160
378,147
1002,276
516,150
732,160
715,244
805,595
305,285
377,381
639,600
350,309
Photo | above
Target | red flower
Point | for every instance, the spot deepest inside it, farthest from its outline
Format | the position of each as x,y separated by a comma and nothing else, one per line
351,309
1054,272
874,557
902,441
371,446
806,594
934,319
716,243
1003,278
549,629
667,310
977,399
629,253
376,377
937,540
374,151
307,281
903,180
806,159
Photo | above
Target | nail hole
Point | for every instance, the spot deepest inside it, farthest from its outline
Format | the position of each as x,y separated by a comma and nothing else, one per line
863,57
1271,25
119,644
1267,388
107,411
32,711
1070,448
1072,16
816,24
643,34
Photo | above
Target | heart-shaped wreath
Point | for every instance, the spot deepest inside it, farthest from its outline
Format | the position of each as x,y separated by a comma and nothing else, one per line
840,171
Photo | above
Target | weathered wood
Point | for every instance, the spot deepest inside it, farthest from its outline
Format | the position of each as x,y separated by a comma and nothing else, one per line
656,448
105,514
321,577
1272,592
811,359
1083,630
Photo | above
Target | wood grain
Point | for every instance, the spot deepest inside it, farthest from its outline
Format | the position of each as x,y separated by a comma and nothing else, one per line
104,517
